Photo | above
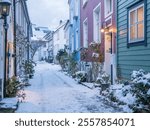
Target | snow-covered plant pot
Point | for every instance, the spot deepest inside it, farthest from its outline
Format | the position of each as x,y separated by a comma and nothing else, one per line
103,81
81,76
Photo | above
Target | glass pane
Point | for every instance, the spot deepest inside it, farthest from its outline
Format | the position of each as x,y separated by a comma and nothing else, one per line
132,33
132,17
140,14
140,31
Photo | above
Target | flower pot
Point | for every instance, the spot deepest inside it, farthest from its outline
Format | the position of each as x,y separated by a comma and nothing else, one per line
104,87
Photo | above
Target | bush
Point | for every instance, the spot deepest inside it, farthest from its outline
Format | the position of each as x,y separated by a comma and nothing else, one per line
140,87
102,79
28,69
81,76
62,57
11,87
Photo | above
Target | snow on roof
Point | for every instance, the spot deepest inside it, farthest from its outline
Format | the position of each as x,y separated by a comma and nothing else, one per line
39,32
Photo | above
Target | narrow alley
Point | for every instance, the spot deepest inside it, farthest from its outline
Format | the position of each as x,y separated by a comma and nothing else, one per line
52,91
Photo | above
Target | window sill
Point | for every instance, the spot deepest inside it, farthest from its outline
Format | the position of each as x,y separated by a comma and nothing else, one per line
136,43
109,14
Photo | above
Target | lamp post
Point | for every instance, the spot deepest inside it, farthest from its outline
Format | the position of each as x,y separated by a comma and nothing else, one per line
4,12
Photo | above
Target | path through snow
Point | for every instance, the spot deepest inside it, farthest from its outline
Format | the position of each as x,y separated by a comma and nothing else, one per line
52,91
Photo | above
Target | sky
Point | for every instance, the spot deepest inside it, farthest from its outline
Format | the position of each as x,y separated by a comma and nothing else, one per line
48,13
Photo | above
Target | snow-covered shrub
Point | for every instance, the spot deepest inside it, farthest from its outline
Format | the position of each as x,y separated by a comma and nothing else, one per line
81,76
102,79
140,87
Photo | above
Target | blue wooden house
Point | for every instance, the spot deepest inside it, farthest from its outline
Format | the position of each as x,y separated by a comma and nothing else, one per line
133,36
74,37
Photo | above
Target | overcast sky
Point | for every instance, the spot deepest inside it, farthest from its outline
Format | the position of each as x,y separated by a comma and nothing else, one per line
48,12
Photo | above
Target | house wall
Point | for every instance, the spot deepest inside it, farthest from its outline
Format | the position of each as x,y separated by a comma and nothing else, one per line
1,59
10,48
75,27
87,13
23,27
59,40
134,57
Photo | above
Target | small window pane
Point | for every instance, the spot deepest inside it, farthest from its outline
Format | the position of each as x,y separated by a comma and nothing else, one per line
133,33
140,14
132,17
140,31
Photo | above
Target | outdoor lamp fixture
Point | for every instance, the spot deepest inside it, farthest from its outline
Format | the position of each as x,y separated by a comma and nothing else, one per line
5,8
4,12
110,32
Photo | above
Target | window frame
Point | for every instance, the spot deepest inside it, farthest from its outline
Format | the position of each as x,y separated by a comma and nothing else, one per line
85,45
136,24
110,13
98,37
138,42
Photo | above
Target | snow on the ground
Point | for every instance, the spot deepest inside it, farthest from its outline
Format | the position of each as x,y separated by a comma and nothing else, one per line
53,91
90,85
9,103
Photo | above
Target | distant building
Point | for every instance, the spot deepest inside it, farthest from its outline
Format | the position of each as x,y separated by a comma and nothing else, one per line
59,39
39,43
49,43
67,36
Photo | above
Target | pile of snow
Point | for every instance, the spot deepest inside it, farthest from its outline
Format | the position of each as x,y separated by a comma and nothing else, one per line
9,103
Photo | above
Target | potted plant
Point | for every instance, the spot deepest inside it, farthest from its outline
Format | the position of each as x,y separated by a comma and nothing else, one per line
103,81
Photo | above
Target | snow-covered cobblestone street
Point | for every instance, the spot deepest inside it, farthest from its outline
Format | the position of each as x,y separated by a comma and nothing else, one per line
52,91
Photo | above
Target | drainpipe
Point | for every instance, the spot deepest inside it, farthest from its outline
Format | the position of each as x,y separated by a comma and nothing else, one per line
111,52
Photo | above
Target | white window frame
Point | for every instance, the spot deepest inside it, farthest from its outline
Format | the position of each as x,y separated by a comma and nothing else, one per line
85,39
105,5
96,34
129,26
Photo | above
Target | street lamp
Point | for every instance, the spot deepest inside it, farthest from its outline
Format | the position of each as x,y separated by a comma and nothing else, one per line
4,12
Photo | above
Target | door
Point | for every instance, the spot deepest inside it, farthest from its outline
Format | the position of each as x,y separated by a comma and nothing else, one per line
107,62
110,58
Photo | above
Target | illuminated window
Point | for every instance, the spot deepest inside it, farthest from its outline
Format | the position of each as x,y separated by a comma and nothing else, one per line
136,24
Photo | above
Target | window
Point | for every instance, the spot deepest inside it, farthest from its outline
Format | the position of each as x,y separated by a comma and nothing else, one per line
72,38
85,33
96,24
77,40
108,7
76,12
57,34
136,24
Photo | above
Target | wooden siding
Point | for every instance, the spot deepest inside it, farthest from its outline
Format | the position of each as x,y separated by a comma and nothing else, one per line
135,57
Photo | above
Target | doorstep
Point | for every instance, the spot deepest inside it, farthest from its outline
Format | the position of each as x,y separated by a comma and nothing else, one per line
8,105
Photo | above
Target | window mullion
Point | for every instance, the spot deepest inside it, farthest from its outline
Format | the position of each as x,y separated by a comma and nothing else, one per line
136,24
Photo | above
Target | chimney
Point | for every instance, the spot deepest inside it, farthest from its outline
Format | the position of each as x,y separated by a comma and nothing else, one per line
60,22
